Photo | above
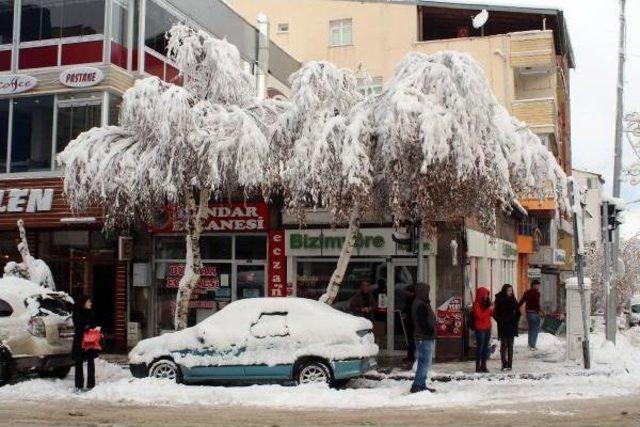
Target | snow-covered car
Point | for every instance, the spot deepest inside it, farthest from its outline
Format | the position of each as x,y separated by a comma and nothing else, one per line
36,330
633,312
262,340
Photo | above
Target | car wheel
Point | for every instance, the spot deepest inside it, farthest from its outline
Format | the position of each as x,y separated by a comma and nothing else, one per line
165,369
5,373
313,372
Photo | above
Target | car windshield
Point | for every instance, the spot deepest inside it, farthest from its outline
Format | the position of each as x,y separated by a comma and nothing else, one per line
51,304
635,309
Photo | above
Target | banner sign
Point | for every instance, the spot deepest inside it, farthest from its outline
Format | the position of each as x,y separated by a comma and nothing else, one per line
277,282
26,200
449,318
237,216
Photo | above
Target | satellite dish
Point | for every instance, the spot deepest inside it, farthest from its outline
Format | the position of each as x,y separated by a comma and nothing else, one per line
480,19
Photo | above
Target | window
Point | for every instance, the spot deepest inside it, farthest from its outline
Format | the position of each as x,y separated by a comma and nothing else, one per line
341,33
251,281
115,101
270,325
47,19
157,22
119,20
6,21
76,114
32,134
283,28
215,247
5,309
251,247
4,133
370,87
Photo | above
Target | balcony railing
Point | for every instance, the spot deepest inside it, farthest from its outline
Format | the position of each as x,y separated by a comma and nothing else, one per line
541,114
532,49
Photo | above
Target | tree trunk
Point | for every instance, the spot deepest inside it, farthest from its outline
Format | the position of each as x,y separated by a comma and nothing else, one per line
193,263
345,255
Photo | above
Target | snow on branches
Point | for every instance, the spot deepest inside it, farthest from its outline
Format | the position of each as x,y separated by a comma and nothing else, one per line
311,160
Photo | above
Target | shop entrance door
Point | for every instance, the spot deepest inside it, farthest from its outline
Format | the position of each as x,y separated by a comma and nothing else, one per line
400,274
104,298
250,280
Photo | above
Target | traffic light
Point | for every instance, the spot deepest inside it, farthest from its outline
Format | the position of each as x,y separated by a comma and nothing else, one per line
613,214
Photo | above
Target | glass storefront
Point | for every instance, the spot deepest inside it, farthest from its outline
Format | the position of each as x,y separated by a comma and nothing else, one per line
234,267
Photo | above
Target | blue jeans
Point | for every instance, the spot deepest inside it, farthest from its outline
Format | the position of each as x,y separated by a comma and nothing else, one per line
483,338
533,320
425,357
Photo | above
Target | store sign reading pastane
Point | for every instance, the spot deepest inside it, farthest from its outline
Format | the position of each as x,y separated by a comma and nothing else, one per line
81,77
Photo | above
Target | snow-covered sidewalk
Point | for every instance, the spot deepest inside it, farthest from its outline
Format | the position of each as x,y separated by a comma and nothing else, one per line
616,372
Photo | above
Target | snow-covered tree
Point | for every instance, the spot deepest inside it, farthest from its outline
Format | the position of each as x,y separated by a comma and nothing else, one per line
311,161
31,268
175,145
626,285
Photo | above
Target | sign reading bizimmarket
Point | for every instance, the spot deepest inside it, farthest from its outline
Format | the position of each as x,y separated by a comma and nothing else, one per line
328,242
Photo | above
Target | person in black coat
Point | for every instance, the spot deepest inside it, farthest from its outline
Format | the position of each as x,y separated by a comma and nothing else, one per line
83,319
507,315
409,297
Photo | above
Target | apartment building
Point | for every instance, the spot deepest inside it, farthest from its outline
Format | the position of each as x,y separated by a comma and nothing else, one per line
526,55
64,66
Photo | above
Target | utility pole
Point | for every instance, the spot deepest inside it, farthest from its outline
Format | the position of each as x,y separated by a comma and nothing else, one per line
612,297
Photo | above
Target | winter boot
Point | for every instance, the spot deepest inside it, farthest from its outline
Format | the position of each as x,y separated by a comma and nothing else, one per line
478,370
483,367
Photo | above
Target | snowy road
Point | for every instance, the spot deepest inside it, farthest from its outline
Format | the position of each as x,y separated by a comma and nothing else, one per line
616,412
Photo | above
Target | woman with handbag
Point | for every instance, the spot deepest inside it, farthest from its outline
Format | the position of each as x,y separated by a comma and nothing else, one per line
84,324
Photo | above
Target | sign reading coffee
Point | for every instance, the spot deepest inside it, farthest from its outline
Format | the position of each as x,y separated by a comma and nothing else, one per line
81,77
26,200
16,83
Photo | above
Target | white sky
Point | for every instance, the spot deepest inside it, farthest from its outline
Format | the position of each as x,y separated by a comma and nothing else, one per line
593,28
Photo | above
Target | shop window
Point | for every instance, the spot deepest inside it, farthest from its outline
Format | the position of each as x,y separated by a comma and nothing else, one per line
119,33
341,32
157,22
251,281
251,247
4,133
76,114
212,292
47,19
115,101
170,247
215,247
6,21
9,246
32,134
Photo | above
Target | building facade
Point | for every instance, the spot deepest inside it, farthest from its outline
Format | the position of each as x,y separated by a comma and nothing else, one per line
526,55
64,66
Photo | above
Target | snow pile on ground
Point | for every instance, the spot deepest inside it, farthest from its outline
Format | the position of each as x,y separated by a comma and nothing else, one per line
625,354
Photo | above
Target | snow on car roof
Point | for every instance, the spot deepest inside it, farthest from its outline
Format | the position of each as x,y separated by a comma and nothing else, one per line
17,287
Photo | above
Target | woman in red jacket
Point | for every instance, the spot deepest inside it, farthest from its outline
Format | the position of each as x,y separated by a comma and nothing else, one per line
482,312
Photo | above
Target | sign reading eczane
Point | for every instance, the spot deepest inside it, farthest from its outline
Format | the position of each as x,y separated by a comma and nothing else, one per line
26,200
81,77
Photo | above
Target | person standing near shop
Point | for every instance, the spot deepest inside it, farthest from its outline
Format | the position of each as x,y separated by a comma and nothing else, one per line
507,315
362,303
407,314
482,312
531,302
424,323
83,319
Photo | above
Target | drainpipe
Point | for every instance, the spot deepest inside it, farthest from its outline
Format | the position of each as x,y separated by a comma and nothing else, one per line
263,56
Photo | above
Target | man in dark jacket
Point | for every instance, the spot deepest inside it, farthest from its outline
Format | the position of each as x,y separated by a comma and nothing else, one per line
362,303
424,322
531,301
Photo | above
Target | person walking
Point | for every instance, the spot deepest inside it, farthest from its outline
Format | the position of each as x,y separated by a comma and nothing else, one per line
424,323
83,319
507,315
409,297
482,312
531,302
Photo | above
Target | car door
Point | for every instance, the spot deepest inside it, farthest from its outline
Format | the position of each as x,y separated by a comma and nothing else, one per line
268,347
212,361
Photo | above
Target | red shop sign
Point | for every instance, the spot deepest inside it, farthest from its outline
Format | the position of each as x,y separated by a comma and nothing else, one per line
209,278
237,216
277,284
449,318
